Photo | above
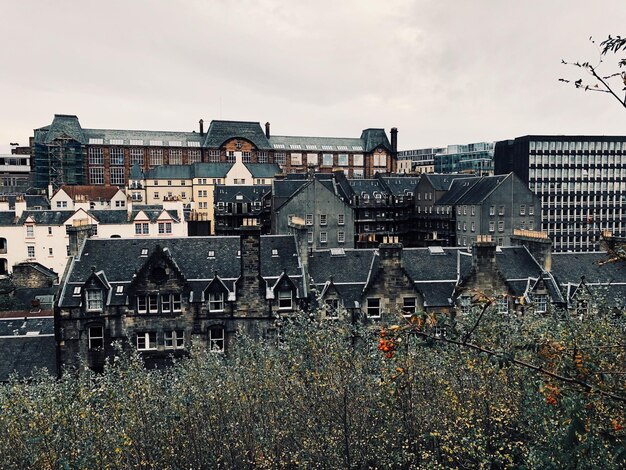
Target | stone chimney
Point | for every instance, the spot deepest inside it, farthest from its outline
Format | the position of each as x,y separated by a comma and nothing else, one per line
484,260
394,139
390,252
537,243
297,226
267,130
250,292
20,206
201,122
78,233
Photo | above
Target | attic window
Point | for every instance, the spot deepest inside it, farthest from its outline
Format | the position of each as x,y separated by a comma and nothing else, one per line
193,143
144,252
279,146
76,291
156,142
295,146
239,197
136,142
311,147
337,252
119,290
175,143
211,254
274,252
96,141
327,147
342,147
357,147
238,253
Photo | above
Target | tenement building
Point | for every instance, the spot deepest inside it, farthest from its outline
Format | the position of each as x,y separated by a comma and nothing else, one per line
581,181
66,153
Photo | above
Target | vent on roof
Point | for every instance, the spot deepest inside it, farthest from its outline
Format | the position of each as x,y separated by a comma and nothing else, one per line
279,146
193,143
337,252
116,141
119,290
136,142
96,141
436,250
175,143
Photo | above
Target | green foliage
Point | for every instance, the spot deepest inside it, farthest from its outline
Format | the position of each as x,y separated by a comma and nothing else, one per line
327,397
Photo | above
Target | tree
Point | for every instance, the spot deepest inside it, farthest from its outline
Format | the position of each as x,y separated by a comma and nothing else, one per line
615,82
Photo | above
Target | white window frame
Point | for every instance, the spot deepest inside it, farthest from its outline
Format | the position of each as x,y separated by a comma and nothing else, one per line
146,341
374,307
95,334
216,302
285,299
94,300
217,339
174,339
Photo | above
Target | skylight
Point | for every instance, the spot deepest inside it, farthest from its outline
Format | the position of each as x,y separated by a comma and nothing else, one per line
175,143
156,142
136,142
193,143
94,141
436,250
116,141
327,147
337,252
279,146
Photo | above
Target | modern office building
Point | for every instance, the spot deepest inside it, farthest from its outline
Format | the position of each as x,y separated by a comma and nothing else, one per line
476,158
581,181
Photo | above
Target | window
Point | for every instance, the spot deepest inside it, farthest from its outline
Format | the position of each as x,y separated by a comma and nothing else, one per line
142,306
165,227
96,175
379,160
342,159
94,300
522,209
174,339
541,303
96,337
31,251
136,156
327,159
465,304
285,300
341,219
473,226
153,303
500,226
309,219
50,252
176,157
141,228
146,341
408,306
117,176
323,237
216,339
341,236
116,156
503,305
296,159
216,302
280,158
323,219
61,204
194,156
373,308
531,210
492,226
214,156
30,231
156,157
49,230
262,157
310,236
96,157
357,160
501,210
492,210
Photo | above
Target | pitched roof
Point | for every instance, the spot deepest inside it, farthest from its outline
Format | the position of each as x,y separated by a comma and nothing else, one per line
63,125
373,138
221,131
263,170
458,187
441,182
46,217
478,192
248,193
317,144
22,355
92,193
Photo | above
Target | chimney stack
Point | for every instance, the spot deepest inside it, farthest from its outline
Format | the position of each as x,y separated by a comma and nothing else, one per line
394,139
267,130
538,244
201,122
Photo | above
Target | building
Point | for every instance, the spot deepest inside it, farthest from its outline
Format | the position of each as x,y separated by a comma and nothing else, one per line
234,206
475,158
169,293
490,205
14,173
320,205
581,181
66,153
88,197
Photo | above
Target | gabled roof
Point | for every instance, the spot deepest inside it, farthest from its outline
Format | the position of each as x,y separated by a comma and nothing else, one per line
248,193
46,217
91,193
478,192
263,170
33,201
441,182
221,131
458,187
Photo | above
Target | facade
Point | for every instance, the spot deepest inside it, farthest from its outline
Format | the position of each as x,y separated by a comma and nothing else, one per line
580,181
490,205
88,198
169,293
14,173
236,206
328,217
475,158
66,153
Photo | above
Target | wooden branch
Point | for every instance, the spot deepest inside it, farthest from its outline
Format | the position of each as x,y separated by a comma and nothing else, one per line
480,316
606,85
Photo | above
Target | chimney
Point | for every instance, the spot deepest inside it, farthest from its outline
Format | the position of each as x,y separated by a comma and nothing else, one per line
20,206
78,234
537,243
298,228
484,260
394,139
390,252
267,130
250,292
201,122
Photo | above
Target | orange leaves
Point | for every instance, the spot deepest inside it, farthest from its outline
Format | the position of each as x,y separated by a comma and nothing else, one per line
387,345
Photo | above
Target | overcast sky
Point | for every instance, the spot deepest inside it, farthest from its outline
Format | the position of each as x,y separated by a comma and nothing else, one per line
441,71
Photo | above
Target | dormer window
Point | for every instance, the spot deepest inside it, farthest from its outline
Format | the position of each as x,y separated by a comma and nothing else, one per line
211,254
77,291
274,252
119,290
94,300
216,302
285,299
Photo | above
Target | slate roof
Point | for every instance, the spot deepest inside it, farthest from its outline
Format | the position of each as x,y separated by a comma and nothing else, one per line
63,125
167,138
400,185
191,255
572,267
50,217
221,131
135,172
250,193
458,187
373,138
317,144
211,170
22,355
32,201
114,217
478,192
183,172
441,182
263,170
283,190
368,186
7,218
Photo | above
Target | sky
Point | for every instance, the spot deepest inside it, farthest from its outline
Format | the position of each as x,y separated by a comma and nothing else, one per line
441,71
